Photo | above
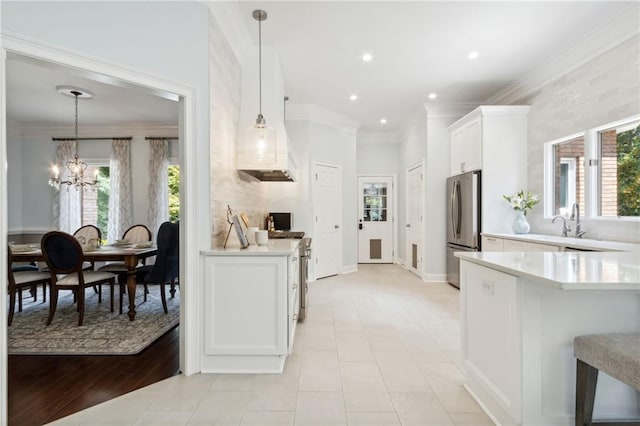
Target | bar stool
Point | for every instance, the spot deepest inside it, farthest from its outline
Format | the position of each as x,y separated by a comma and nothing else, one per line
617,355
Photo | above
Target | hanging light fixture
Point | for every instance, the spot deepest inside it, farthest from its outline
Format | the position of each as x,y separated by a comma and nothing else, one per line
74,173
259,136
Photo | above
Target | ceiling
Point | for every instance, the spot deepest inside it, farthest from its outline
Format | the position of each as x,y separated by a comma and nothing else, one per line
418,48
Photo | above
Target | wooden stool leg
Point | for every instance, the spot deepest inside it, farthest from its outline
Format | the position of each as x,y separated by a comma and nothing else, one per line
586,380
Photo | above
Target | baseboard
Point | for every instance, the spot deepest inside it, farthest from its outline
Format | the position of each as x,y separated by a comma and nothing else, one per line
349,269
434,278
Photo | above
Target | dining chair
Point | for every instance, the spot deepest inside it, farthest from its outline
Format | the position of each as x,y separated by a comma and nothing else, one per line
165,270
86,233
19,279
63,255
135,234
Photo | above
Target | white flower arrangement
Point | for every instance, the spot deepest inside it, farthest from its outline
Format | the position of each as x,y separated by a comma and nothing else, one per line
521,201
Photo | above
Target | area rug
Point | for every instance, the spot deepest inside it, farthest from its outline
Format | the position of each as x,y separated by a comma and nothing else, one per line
102,332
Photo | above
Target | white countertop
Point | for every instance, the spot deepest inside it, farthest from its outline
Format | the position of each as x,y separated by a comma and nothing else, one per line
566,270
275,247
583,243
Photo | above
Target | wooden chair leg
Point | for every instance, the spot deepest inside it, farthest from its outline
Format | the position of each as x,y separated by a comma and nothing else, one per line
19,291
173,289
146,291
34,292
111,285
80,306
586,380
12,304
99,293
53,304
163,296
44,292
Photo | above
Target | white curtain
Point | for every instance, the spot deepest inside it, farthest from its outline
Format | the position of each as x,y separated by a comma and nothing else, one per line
120,198
159,184
67,205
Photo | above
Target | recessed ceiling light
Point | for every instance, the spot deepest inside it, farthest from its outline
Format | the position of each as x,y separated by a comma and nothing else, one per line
353,97
433,95
367,57
473,55
383,121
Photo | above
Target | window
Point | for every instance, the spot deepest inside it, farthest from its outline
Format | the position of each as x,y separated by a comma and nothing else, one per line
375,202
95,204
568,178
619,170
599,170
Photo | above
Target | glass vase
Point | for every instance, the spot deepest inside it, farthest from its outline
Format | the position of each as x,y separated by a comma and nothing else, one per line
520,225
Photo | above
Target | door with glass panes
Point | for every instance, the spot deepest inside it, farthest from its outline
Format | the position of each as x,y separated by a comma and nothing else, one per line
375,221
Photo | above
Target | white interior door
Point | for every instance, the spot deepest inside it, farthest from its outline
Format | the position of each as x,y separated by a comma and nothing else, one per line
375,222
327,209
414,219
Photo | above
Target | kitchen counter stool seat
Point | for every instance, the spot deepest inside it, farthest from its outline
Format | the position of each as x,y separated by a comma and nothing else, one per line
617,355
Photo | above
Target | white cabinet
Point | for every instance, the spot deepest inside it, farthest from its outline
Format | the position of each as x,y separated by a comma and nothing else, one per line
466,147
492,244
251,305
492,139
505,244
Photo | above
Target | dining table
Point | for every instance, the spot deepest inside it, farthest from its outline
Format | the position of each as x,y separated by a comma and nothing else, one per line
130,255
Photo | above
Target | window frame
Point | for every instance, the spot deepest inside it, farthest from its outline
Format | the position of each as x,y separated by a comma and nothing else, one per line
591,169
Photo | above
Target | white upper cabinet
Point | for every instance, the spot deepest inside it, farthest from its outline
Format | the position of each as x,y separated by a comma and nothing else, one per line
493,139
466,147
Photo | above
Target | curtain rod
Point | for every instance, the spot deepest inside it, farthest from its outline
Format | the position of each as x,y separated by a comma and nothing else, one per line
161,137
92,139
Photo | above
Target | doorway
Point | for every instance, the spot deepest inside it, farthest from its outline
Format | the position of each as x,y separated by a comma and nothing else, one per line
13,46
327,220
375,219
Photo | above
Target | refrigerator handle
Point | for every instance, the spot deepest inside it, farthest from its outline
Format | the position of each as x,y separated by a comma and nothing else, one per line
459,200
452,198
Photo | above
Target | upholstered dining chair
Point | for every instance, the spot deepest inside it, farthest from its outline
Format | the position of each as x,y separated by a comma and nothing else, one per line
135,234
84,234
63,255
19,279
165,269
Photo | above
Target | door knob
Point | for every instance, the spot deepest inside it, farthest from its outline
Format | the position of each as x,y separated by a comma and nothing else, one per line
360,226
336,226
408,225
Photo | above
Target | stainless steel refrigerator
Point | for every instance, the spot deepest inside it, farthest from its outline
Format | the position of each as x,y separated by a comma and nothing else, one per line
463,220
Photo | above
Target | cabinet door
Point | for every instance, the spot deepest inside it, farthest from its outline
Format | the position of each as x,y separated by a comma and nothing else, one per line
541,247
492,244
473,146
513,245
456,153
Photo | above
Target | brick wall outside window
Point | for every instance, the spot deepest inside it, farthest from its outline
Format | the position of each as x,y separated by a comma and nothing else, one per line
609,173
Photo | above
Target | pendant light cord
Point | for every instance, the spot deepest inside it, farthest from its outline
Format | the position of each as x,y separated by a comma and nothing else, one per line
260,61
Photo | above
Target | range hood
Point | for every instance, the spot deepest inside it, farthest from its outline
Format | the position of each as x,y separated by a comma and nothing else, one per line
277,166
280,171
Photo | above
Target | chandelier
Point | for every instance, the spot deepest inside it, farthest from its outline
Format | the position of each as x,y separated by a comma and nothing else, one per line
74,172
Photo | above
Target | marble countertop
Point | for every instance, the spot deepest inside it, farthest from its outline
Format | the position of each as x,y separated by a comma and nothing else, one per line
275,247
583,243
566,270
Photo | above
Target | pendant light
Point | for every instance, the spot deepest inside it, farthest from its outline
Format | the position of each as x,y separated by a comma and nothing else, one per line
259,137
74,174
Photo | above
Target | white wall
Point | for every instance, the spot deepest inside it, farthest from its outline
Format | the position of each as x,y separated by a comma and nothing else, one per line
377,158
602,90
29,159
312,141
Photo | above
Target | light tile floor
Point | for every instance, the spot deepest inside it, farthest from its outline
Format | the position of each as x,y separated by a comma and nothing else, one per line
379,347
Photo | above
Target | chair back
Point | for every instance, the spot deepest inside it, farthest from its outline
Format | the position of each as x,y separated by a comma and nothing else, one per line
137,234
88,232
62,252
166,267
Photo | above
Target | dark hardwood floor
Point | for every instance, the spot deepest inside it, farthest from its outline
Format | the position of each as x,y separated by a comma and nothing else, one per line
44,388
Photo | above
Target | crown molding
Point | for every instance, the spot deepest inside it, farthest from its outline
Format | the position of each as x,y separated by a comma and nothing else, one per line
377,137
618,30
318,114
49,130
449,110
228,16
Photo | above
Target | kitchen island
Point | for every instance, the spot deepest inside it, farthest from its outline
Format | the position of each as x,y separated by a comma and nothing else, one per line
519,314
251,307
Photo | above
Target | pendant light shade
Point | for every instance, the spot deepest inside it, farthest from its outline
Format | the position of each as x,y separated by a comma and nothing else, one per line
259,137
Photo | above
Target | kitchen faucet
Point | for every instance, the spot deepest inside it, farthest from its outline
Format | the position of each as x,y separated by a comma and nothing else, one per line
565,229
575,215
